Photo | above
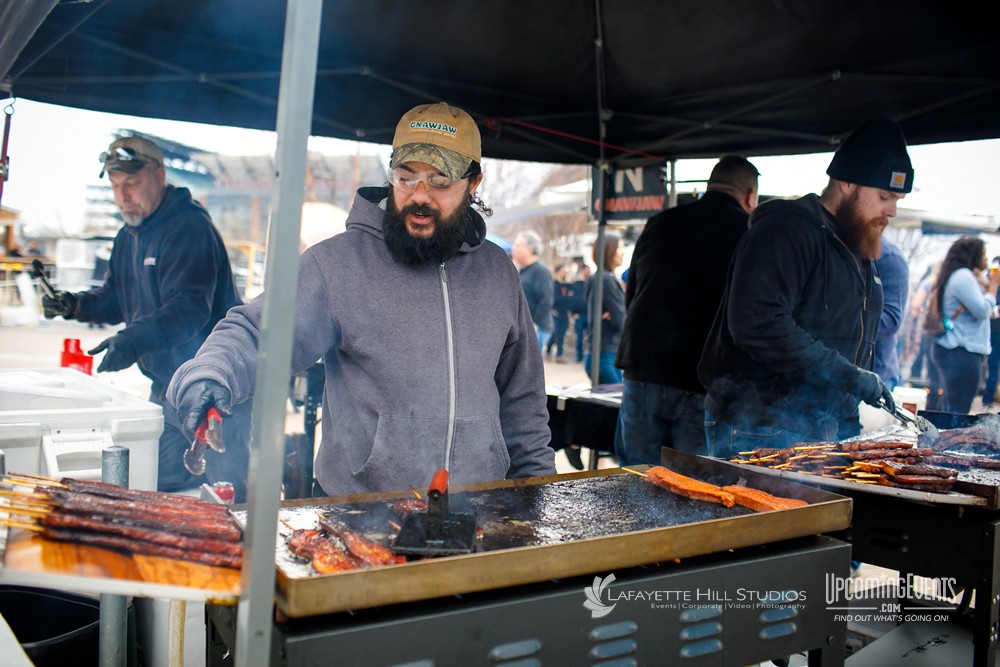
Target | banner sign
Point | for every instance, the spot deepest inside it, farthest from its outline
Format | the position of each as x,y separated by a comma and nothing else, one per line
636,193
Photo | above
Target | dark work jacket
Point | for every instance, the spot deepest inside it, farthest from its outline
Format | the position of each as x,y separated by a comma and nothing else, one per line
799,315
169,282
562,298
578,298
675,285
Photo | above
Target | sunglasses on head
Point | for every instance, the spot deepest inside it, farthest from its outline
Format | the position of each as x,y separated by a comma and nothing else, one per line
124,159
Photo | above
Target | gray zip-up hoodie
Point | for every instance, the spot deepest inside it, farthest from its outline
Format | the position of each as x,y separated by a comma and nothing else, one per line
415,356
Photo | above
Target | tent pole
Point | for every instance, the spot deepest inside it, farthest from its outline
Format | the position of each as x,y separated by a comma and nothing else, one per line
594,317
274,354
594,314
672,190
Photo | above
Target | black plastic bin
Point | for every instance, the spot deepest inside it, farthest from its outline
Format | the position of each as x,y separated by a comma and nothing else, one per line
54,628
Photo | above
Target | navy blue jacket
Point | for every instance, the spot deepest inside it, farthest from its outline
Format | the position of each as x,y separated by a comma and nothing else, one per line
170,282
800,314
536,281
895,275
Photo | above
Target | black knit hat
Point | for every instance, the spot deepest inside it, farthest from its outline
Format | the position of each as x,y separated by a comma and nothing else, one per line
874,155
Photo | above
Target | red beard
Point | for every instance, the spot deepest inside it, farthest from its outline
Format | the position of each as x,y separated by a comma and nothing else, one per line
862,235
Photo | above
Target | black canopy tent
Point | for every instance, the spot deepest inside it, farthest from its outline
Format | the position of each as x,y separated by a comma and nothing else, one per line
609,82
685,78
606,83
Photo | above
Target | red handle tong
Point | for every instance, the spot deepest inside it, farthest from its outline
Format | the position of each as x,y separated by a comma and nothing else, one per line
208,433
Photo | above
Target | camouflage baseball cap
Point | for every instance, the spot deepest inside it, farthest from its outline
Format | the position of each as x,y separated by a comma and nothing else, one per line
442,136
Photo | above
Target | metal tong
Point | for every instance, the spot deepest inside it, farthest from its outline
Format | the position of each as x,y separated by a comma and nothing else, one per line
208,433
916,422
38,271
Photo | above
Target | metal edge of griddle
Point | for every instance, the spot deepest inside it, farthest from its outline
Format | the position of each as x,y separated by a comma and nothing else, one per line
433,578
950,498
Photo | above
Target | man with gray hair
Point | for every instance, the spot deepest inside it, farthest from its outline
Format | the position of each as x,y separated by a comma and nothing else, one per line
169,281
675,284
536,281
429,354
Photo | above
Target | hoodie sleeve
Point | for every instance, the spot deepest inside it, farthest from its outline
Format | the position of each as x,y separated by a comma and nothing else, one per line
229,355
777,258
524,417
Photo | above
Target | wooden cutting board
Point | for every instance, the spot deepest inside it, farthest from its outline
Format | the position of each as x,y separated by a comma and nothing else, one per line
33,560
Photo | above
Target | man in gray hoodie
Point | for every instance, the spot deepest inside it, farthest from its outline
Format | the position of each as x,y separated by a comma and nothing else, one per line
430,353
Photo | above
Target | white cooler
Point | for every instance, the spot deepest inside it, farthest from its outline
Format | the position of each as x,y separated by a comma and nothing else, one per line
56,421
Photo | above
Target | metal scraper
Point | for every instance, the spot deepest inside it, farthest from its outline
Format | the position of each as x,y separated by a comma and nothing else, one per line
438,531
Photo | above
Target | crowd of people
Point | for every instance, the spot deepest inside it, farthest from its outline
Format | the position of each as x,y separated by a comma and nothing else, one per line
739,325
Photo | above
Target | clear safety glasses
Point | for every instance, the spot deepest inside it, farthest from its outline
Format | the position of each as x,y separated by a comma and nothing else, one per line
407,180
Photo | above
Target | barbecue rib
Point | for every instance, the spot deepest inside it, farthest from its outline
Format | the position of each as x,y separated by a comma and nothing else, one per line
146,514
405,507
761,501
891,468
688,487
911,453
325,556
964,461
141,547
982,438
939,486
159,498
862,445
359,546
56,519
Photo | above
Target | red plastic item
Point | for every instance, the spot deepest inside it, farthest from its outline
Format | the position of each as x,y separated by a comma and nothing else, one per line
74,357
225,492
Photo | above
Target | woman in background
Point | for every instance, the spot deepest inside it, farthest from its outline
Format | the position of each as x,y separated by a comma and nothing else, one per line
967,299
612,316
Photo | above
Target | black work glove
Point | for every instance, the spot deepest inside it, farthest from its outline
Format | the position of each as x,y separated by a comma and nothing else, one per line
869,388
63,304
194,403
121,353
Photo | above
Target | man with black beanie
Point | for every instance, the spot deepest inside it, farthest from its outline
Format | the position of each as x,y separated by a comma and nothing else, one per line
790,353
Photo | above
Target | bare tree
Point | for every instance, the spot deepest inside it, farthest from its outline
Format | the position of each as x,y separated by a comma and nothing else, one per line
509,183
916,246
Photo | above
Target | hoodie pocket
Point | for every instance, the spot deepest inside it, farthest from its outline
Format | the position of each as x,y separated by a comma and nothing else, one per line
479,453
407,451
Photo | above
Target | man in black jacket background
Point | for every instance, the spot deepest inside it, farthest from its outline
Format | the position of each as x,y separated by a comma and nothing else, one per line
790,354
675,284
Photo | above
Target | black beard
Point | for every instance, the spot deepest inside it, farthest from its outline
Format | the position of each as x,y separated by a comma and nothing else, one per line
443,244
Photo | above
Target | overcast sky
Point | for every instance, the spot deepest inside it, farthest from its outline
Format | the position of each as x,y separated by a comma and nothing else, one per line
53,157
